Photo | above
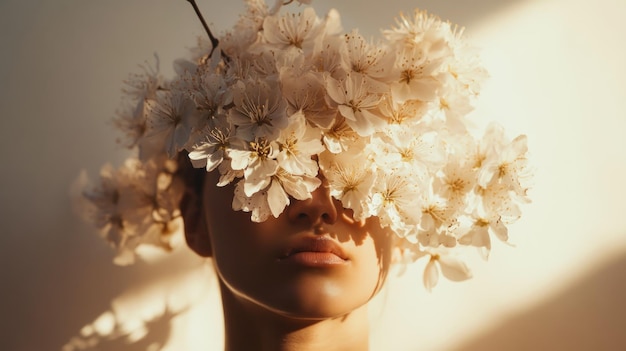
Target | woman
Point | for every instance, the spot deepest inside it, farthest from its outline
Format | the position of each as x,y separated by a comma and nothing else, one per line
320,153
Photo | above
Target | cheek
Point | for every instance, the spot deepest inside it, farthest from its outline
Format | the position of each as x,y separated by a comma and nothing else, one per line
370,267
237,244
242,250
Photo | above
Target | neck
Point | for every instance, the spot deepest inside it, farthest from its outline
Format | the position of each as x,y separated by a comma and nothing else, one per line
252,327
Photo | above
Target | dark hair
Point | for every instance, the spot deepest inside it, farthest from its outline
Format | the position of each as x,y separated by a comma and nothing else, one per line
192,177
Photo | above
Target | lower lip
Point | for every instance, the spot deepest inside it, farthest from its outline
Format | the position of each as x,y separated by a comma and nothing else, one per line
314,259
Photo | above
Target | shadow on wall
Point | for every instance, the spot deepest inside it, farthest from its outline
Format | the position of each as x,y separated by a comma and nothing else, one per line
150,337
589,315
131,308
146,316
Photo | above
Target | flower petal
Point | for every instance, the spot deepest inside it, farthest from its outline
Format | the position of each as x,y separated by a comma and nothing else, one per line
431,275
454,269
277,199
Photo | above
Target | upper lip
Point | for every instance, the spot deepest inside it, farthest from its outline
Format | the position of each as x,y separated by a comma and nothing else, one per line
315,244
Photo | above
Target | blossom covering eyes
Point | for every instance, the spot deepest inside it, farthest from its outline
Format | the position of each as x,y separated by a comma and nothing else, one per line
286,97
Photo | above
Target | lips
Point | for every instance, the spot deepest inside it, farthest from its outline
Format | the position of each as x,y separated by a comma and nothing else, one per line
319,251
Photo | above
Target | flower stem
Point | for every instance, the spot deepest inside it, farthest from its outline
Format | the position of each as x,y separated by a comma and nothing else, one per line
214,41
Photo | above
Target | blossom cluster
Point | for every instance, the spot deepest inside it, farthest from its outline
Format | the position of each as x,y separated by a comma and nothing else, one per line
288,97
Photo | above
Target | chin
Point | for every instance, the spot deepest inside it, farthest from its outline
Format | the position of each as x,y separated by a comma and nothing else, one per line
313,298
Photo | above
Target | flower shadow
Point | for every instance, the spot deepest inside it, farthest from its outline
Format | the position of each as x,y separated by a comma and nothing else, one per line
152,335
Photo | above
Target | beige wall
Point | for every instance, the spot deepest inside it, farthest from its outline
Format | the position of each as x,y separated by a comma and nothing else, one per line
558,75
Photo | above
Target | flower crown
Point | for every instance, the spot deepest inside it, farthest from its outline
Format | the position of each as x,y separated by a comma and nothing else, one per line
285,97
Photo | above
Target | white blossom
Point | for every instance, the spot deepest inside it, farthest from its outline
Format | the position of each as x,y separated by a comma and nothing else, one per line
297,144
395,201
359,56
259,110
306,92
131,119
351,179
413,76
258,163
482,226
450,266
291,30
212,150
171,119
357,99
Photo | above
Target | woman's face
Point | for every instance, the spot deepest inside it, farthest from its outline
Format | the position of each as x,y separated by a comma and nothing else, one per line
312,262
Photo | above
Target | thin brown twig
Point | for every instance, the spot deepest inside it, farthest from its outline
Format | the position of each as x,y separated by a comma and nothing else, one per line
214,40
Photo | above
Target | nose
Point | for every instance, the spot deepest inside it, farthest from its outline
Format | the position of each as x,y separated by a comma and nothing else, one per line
320,208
